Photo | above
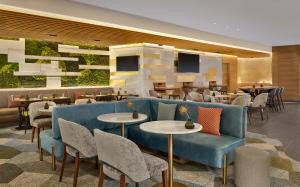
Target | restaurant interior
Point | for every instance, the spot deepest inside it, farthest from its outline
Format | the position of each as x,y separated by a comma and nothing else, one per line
99,94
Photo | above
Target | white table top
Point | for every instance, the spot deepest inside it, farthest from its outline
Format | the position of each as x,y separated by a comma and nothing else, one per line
169,127
121,118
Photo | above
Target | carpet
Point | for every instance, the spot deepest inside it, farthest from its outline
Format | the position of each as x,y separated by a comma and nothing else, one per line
20,165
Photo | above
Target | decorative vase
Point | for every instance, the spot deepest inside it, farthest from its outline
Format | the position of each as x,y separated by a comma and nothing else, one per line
261,85
46,106
189,124
135,114
89,101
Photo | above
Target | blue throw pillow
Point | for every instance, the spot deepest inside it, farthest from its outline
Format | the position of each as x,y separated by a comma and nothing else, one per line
166,111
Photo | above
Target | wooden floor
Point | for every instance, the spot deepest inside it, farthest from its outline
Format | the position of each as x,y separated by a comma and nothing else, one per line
284,126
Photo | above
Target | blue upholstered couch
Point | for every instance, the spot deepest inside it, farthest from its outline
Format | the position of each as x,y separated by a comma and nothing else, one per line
198,147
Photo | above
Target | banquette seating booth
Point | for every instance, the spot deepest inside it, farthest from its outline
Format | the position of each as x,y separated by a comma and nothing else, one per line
211,150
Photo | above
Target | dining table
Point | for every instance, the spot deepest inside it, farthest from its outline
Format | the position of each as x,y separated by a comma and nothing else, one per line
258,89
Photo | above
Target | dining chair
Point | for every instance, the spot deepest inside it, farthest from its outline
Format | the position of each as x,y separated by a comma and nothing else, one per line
37,119
154,93
272,100
243,100
279,97
122,160
84,101
78,142
195,96
259,104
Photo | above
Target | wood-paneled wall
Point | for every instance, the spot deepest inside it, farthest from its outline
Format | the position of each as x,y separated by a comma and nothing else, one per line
232,72
286,70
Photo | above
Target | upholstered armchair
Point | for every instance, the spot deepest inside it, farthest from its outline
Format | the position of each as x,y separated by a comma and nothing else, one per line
195,96
84,101
78,142
122,160
243,100
39,120
259,104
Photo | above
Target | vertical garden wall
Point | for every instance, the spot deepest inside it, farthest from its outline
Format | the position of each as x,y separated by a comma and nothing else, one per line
87,77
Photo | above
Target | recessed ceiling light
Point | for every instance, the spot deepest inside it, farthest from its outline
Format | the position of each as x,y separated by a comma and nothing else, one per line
214,23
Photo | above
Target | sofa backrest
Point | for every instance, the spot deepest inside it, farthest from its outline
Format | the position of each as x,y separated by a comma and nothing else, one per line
233,118
86,114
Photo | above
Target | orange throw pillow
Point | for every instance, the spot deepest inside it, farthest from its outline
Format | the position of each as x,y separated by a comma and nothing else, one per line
210,119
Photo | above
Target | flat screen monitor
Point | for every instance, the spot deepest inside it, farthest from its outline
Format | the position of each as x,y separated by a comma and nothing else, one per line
128,63
188,63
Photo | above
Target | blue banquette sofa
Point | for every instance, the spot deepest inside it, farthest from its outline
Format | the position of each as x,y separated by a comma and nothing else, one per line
198,147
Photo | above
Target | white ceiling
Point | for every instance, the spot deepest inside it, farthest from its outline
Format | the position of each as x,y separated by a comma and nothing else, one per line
270,22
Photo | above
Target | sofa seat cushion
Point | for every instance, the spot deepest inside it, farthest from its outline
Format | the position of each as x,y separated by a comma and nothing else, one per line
47,140
199,147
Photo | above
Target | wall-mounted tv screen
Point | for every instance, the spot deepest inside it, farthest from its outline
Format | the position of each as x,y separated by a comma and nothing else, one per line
188,63
128,63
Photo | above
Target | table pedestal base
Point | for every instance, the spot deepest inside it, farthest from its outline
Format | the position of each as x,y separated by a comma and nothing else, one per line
175,184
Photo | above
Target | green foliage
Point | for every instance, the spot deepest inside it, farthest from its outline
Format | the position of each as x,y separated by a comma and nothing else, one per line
7,78
93,77
45,48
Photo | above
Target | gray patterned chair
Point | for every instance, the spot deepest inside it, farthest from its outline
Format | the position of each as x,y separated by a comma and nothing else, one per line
122,160
39,120
78,142
84,101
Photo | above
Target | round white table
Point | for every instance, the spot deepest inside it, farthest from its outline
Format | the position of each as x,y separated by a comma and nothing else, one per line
122,119
169,128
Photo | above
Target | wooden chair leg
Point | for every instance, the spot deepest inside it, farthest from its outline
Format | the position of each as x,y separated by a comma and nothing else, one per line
101,175
53,159
76,169
63,163
165,178
97,163
32,135
122,181
38,137
261,113
41,154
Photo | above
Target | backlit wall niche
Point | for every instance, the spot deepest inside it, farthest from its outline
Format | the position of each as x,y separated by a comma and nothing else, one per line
157,65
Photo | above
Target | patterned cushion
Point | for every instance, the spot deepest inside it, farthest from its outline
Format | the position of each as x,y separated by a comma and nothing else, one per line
166,111
210,118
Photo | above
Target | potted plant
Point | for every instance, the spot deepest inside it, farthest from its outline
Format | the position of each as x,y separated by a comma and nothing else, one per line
185,111
135,114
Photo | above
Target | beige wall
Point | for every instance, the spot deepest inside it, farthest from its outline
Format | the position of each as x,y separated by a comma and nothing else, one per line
254,70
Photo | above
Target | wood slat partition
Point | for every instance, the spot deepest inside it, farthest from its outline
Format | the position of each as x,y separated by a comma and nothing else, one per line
14,24
286,70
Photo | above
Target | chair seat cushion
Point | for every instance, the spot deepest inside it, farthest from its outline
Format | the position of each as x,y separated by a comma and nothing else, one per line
40,122
155,165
